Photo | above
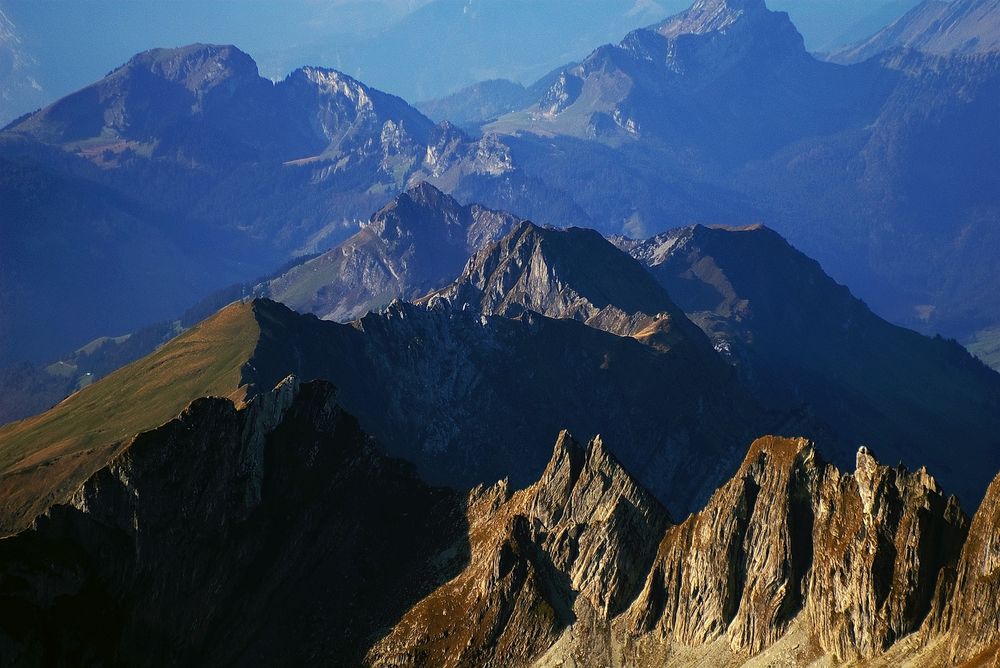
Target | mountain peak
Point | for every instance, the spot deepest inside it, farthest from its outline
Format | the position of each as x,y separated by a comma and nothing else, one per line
570,273
420,211
713,35
416,243
198,67
425,194
707,16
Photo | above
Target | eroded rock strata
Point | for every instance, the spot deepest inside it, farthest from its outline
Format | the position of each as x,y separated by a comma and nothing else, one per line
852,562
277,531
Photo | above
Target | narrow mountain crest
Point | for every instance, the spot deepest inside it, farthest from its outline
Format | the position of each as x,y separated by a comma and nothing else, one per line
573,273
575,543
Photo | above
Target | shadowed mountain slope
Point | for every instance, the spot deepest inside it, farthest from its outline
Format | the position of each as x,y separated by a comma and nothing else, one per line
446,389
797,336
230,535
791,560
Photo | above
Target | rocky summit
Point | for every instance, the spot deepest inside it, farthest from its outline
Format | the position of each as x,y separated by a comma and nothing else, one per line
572,274
412,245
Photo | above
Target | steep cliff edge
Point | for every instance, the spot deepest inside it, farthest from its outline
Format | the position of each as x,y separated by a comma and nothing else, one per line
277,532
851,563
969,623
576,543
273,533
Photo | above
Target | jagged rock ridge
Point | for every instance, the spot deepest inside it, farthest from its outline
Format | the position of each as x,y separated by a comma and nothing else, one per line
213,537
859,560
410,247
573,273
584,531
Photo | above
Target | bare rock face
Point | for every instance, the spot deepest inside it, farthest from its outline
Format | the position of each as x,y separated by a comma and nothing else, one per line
414,244
576,543
737,568
970,619
858,557
573,273
882,538
583,566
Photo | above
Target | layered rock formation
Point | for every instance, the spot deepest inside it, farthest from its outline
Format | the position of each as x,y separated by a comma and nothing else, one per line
970,618
857,557
737,568
277,532
575,274
411,246
857,566
579,538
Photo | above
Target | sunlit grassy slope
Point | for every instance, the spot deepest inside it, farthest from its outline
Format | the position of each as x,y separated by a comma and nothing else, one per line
45,458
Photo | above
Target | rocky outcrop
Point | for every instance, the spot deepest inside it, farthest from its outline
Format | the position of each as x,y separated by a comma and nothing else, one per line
882,539
229,536
415,244
575,543
573,273
850,563
857,556
738,568
970,619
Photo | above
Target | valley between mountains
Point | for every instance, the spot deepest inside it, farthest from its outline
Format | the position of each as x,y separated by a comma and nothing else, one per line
682,355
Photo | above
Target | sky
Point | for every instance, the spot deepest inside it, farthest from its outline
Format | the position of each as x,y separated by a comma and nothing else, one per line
419,49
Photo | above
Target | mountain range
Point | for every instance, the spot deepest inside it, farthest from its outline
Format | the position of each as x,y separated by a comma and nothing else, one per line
791,559
804,352
328,438
408,248
426,48
798,340
449,389
880,170
751,127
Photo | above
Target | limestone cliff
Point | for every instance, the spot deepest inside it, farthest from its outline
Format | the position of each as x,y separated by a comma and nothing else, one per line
578,539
